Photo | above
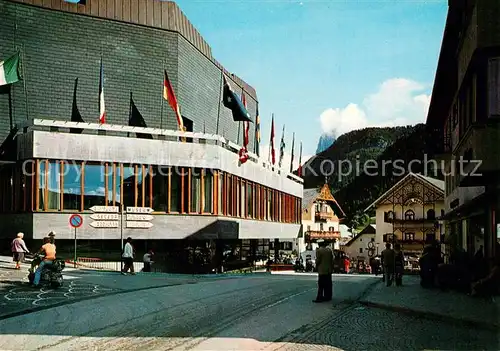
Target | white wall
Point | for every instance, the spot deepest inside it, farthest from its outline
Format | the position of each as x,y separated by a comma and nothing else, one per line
360,243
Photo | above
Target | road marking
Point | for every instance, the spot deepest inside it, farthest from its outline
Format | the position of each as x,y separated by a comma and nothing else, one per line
288,298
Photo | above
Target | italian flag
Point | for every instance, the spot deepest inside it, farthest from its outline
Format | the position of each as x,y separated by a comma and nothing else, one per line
9,70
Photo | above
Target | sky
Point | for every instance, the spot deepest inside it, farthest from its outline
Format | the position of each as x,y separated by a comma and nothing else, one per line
327,66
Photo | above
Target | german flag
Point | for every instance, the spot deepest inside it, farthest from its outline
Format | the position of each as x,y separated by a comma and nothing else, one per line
169,95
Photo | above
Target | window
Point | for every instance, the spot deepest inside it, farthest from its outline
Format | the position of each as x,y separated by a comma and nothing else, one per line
360,250
409,236
114,181
94,187
208,191
220,189
175,190
331,229
308,228
160,189
128,182
321,226
229,195
72,186
42,176
430,238
54,186
410,215
140,186
195,190
431,214
250,200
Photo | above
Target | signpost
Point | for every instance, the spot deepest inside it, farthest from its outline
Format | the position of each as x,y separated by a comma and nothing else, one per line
76,222
139,217
105,217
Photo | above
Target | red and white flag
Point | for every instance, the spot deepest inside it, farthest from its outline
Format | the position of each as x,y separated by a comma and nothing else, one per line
102,106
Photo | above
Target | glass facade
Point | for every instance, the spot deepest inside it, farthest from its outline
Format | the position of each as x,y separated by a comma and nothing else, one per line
75,186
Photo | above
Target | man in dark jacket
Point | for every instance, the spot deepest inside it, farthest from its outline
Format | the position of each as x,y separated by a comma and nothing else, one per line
324,265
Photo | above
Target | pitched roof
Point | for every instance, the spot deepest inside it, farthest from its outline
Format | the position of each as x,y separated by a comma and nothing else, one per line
361,233
436,183
310,195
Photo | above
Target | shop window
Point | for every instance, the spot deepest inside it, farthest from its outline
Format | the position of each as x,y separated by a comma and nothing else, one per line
94,186
160,188
208,183
42,184
175,189
72,186
129,186
195,190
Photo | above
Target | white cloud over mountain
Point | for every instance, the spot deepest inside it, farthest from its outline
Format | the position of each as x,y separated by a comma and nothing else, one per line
398,101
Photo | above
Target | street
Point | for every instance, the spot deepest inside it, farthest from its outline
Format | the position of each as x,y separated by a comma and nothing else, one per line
266,312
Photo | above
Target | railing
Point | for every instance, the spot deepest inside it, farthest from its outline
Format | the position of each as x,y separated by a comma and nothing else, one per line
322,234
201,138
323,216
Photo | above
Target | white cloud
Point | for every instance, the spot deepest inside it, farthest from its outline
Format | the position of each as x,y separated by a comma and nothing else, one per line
398,101
264,154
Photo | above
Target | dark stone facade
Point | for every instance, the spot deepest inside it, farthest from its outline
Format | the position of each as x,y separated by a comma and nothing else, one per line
59,46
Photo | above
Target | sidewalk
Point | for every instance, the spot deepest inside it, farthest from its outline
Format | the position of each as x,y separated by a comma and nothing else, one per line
434,303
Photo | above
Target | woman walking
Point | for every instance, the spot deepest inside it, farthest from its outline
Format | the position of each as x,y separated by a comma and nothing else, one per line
18,248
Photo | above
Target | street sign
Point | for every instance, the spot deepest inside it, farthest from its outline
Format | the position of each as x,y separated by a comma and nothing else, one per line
139,210
75,221
105,209
105,216
105,224
139,225
139,217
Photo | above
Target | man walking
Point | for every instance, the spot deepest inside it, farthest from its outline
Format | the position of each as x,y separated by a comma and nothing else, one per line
388,261
324,265
128,257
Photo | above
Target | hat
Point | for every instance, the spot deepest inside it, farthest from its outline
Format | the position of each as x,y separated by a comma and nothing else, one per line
319,241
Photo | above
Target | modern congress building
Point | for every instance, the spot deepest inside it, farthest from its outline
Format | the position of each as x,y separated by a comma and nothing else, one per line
197,189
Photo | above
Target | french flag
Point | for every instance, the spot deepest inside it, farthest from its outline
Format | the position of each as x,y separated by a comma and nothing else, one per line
102,106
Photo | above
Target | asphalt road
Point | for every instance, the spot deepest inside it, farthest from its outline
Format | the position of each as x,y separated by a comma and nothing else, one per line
252,313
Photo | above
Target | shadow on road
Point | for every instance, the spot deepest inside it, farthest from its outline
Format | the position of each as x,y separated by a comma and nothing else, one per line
248,313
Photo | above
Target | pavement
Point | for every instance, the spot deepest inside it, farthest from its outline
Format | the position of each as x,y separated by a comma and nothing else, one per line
247,312
449,306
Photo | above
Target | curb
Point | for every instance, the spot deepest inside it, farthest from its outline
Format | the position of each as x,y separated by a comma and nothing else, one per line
495,326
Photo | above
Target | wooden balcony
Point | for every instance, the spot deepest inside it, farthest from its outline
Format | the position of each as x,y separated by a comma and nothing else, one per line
322,234
323,216
419,221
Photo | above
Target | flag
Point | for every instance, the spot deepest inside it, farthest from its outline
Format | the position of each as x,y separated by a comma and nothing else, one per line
257,132
233,102
246,124
282,147
291,158
135,119
299,171
9,70
169,95
271,142
102,107
75,113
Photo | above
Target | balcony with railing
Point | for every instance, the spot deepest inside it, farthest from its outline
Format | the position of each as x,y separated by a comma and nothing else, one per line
322,234
323,216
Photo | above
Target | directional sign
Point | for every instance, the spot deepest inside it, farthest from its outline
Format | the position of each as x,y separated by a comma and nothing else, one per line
105,216
104,209
105,224
139,225
139,217
76,221
139,210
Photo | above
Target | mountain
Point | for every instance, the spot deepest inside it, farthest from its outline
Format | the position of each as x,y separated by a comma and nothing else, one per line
325,141
356,196
350,150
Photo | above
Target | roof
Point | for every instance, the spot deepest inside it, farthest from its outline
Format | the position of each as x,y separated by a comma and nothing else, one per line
436,183
311,194
360,234
368,228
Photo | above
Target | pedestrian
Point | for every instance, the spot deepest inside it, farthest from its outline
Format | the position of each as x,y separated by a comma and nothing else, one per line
18,248
388,257
324,265
128,257
399,264
147,260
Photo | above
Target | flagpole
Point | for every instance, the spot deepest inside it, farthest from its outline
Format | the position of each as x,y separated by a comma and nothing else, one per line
11,119
162,97
220,100
24,83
